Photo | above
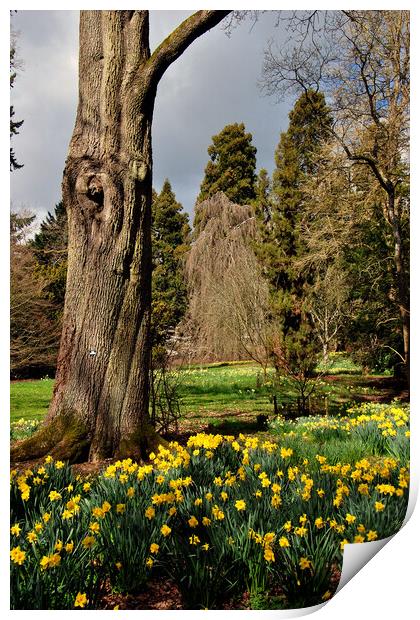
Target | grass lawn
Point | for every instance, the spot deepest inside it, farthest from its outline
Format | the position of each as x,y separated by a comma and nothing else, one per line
30,399
228,396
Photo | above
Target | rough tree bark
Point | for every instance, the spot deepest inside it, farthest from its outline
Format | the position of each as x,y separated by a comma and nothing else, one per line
100,403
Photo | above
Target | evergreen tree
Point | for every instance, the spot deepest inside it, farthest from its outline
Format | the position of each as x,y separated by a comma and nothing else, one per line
50,250
296,158
20,226
231,168
170,232
262,201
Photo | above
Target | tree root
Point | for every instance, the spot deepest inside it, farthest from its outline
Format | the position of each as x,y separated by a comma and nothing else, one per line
66,438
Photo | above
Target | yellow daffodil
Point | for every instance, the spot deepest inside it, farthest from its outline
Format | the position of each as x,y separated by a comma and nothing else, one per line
17,555
304,563
88,542
150,512
81,600
31,537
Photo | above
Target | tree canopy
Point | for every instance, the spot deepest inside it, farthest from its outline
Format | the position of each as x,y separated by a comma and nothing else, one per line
231,168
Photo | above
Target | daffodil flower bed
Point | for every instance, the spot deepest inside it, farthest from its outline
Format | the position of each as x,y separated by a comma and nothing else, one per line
220,516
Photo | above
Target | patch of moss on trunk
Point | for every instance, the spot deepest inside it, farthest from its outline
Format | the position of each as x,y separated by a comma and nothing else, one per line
65,438
139,444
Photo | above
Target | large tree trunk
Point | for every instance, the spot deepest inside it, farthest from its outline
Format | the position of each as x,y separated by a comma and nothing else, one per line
102,372
101,395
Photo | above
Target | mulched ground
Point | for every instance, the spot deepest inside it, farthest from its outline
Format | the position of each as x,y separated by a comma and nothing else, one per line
162,593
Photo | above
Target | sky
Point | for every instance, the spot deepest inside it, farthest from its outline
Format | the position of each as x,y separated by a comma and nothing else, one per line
214,83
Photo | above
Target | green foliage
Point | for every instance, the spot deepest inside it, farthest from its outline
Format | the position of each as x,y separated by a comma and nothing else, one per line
170,232
262,201
231,168
50,250
295,158
20,224
294,350
170,241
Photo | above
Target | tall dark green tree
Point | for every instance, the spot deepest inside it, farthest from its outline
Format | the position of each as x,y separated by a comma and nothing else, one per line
262,201
170,233
231,168
50,249
296,158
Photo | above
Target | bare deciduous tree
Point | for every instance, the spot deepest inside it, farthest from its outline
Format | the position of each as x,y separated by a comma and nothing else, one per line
34,332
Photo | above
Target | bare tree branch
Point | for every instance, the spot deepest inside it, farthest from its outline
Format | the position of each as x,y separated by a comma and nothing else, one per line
180,39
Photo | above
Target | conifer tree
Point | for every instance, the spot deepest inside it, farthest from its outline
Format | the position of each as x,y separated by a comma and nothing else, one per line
50,249
170,232
262,201
231,168
296,159
282,243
